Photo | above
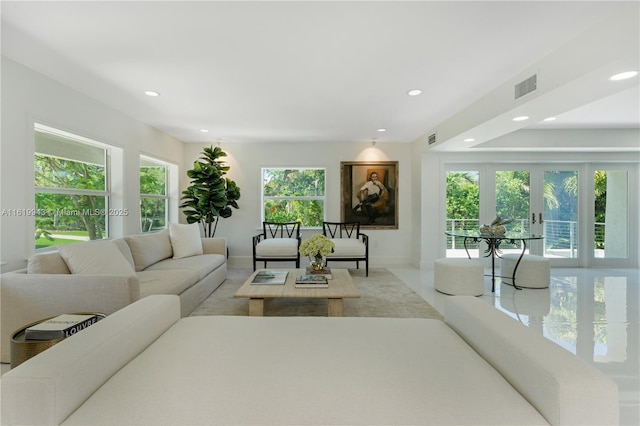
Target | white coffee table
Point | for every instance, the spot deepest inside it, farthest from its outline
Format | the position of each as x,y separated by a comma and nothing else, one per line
340,286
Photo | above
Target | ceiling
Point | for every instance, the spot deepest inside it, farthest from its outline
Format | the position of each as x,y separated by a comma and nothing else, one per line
313,71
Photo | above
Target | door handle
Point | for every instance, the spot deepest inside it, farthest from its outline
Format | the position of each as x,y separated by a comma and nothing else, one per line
533,218
540,217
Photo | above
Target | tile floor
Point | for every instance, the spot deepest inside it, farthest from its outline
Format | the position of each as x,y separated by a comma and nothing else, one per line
593,313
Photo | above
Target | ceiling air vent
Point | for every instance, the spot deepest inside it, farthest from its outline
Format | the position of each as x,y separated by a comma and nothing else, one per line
432,139
526,86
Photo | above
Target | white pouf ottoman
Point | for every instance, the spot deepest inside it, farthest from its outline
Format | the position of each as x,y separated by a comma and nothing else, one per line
459,277
533,271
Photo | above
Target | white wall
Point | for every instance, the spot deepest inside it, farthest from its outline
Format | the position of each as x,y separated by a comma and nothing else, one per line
387,247
28,96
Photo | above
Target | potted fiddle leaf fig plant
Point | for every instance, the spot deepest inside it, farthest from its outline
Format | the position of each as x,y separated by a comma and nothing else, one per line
211,195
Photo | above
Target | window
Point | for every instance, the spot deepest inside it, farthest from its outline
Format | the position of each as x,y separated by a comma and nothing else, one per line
611,213
71,188
290,195
153,194
463,208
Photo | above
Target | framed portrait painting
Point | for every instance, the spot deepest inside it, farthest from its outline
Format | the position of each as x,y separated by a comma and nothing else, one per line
369,193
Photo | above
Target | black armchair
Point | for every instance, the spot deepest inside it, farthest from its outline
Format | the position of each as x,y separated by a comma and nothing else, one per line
278,242
350,243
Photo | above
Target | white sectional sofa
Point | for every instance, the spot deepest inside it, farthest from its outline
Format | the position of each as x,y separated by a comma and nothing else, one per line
144,365
105,276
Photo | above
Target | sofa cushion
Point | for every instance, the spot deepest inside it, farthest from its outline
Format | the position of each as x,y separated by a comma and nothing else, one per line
202,264
277,247
389,371
348,247
47,263
148,249
185,240
125,250
166,281
95,257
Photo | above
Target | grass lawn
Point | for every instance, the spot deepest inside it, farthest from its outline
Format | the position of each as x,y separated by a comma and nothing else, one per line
59,239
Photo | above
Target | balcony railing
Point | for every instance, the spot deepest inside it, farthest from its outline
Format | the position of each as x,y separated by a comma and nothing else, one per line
561,236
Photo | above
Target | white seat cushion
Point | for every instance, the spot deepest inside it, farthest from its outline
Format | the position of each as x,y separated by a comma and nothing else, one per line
163,281
277,247
347,247
202,264
372,382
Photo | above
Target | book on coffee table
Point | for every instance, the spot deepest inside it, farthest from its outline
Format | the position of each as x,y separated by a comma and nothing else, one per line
60,327
267,277
312,281
326,271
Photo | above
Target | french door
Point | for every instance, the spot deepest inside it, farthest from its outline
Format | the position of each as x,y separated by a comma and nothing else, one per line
587,212
540,200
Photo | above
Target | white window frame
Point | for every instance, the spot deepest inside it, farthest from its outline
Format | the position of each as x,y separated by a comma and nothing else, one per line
41,128
166,196
265,199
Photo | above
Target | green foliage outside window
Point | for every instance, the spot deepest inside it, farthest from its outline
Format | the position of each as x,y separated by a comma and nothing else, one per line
600,205
512,198
61,212
600,190
52,172
292,195
463,197
153,200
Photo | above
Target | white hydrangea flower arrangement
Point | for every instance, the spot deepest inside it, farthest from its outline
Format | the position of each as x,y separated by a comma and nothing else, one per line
316,246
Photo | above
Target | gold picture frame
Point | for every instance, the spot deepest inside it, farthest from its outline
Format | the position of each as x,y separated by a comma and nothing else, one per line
358,203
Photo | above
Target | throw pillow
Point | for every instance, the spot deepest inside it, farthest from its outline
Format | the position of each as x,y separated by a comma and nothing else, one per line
47,263
185,240
148,249
95,257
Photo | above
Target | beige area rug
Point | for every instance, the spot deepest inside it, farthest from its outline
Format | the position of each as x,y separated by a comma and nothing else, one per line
382,294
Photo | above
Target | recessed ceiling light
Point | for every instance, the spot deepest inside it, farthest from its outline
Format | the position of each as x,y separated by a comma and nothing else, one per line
414,92
521,118
151,93
623,75
382,129
204,130
469,140
549,119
